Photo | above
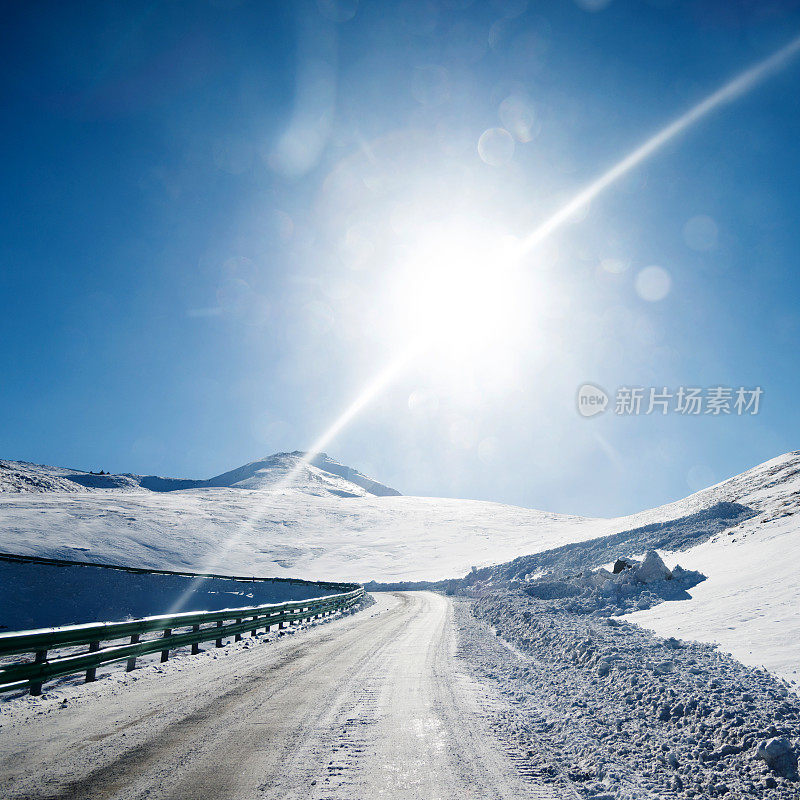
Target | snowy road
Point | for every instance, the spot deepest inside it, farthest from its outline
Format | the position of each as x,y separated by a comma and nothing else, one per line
374,705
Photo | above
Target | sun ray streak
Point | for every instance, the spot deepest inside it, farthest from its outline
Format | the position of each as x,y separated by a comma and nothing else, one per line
383,379
735,88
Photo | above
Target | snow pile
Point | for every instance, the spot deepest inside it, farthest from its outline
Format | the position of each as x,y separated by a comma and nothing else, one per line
675,534
750,601
625,714
634,585
748,553
652,569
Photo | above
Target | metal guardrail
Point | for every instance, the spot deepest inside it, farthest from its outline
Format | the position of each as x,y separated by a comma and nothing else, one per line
32,674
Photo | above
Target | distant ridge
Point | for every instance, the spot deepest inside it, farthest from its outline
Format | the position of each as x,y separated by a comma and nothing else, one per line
319,475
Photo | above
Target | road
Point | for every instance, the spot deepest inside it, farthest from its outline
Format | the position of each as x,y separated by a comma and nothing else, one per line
375,705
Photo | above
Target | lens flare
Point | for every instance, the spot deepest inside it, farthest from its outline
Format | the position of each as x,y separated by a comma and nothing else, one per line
735,88
732,90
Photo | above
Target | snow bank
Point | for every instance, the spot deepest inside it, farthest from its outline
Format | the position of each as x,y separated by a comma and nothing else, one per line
750,600
627,715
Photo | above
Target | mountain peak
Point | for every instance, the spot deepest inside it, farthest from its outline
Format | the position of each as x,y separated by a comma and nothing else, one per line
317,473
313,473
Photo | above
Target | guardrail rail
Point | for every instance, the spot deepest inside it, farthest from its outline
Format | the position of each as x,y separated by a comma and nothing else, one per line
203,626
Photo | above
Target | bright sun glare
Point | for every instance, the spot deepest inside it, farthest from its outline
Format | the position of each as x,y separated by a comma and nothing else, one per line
462,291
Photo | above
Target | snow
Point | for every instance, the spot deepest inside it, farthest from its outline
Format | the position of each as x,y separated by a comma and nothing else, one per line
333,523
336,524
652,568
749,602
627,715
283,533
319,474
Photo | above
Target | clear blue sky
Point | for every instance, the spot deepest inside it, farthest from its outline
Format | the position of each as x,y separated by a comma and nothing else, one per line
206,209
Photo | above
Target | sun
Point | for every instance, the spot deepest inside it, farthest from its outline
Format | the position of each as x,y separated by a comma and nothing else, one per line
461,290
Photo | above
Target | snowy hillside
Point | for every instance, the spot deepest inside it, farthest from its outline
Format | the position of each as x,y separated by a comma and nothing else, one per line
332,522
321,475
743,535
282,533
335,523
750,603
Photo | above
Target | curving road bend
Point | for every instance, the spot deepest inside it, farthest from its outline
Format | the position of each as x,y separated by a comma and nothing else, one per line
374,705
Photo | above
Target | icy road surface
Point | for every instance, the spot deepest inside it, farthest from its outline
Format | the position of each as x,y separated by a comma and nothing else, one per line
375,705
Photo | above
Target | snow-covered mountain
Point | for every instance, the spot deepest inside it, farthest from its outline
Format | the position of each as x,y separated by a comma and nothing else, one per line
334,523
319,474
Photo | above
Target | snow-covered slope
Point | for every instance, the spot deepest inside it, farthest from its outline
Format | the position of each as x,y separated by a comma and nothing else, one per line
278,533
329,522
317,475
750,601
21,477
320,475
334,523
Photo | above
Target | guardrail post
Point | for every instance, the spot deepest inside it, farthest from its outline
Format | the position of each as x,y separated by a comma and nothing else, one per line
41,657
91,673
131,664
43,643
165,653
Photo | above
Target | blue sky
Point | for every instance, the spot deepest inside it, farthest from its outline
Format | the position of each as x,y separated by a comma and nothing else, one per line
209,211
